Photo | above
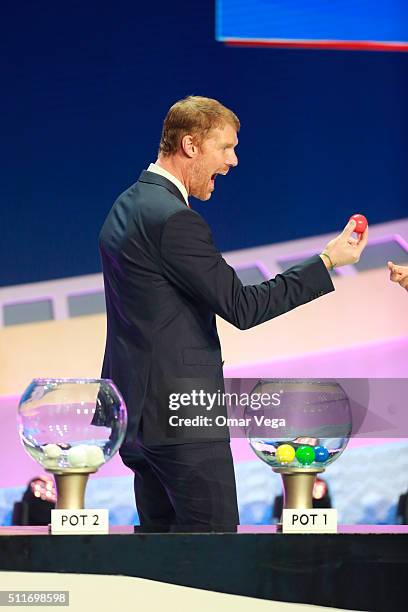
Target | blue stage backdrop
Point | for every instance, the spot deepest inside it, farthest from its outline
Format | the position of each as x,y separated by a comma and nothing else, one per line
321,20
85,86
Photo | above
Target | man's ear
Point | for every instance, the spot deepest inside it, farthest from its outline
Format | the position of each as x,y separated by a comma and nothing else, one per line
188,145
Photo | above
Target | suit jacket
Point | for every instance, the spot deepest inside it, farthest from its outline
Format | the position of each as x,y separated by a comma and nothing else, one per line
164,283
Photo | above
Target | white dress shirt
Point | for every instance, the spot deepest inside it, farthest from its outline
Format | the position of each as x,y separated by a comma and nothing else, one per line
159,170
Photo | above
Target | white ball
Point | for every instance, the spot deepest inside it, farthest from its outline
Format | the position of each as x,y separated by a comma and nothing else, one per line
52,451
95,456
77,456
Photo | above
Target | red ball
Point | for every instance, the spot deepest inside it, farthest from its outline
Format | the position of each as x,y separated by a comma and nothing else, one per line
361,223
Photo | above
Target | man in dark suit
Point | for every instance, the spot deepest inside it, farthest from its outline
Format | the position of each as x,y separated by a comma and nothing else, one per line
164,283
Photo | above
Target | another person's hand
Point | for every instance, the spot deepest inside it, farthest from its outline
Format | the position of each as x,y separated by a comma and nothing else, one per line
398,274
344,249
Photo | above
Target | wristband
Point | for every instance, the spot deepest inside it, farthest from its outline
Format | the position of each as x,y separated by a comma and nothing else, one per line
329,258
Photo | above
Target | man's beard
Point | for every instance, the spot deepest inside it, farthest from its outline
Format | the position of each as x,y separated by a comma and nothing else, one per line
199,182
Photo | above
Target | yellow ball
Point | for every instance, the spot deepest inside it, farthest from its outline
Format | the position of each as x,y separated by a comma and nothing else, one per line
285,453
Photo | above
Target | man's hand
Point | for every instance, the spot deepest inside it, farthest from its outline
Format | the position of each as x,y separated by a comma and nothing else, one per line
344,249
398,274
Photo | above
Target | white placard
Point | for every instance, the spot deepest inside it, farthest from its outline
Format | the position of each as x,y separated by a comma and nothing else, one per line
71,522
310,521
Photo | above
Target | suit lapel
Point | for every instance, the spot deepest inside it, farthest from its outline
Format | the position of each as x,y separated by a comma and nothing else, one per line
158,179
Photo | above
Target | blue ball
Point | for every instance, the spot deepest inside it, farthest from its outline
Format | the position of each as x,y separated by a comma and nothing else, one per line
321,454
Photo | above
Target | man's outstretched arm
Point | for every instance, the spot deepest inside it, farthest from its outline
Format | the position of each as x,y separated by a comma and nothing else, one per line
193,264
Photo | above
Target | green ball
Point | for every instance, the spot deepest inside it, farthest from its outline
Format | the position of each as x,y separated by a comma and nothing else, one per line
305,455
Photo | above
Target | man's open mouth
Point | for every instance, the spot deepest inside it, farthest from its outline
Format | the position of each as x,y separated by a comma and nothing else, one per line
214,176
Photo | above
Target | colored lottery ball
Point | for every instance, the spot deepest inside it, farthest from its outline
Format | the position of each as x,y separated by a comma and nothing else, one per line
321,454
305,455
361,223
285,453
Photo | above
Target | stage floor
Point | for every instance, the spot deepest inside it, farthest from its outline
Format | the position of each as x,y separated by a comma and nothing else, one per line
130,529
363,567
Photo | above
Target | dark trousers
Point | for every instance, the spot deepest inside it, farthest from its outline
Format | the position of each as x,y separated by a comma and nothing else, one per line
184,487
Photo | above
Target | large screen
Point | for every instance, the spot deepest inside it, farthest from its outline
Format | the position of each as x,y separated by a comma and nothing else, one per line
343,24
